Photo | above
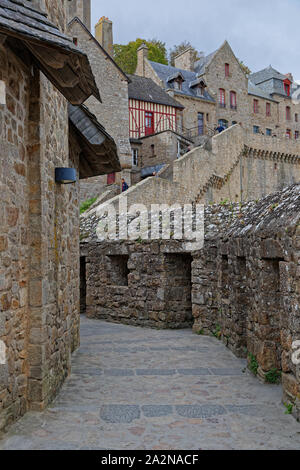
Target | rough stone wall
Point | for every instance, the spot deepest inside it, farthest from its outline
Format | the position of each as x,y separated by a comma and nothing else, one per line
246,286
146,284
113,112
39,239
193,106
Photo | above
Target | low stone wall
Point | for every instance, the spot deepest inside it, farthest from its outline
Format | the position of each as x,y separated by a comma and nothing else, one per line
146,284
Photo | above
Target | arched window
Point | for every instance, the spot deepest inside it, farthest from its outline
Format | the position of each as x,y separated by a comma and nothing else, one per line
222,98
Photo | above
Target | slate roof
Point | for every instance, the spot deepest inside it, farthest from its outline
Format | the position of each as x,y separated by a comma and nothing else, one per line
30,34
99,155
166,71
145,89
203,62
259,92
265,75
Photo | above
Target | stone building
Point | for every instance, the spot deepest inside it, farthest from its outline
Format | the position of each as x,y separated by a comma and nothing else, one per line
154,135
113,110
215,90
41,70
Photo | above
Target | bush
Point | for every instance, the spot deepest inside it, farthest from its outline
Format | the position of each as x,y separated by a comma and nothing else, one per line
87,204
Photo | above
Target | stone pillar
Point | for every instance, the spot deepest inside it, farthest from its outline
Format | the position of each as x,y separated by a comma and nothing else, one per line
104,34
142,55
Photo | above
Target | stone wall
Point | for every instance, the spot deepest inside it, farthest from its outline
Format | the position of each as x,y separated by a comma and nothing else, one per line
113,112
146,284
39,239
246,288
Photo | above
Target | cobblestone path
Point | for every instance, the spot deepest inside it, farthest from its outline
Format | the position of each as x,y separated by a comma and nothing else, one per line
134,388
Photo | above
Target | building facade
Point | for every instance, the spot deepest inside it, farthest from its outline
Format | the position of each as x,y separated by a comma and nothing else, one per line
215,90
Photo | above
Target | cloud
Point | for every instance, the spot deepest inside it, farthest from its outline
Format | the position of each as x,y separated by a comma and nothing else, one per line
261,32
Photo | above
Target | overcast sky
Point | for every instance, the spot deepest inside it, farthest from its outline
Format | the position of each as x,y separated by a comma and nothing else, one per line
261,32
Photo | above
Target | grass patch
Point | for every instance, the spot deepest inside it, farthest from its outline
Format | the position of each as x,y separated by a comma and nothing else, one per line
87,204
253,364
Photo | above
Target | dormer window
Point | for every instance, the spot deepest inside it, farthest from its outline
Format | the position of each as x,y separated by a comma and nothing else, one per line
199,86
176,80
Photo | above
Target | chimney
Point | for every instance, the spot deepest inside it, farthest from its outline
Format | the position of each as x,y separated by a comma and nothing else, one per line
104,34
185,60
142,55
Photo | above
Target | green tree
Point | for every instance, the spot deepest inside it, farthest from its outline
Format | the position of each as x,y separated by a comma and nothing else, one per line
176,50
125,55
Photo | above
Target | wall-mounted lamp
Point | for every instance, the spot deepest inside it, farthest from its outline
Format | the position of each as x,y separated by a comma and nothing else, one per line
65,175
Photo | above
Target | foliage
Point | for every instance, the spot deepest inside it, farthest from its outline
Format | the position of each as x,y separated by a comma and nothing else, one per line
125,55
218,332
273,376
289,408
87,204
176,50
200,332
253,364
246,69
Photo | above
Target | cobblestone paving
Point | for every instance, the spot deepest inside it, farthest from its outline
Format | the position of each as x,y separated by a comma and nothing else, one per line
134,388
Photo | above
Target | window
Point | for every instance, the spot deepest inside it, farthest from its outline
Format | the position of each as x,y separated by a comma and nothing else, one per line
288,133
135,157
227,70
296,117
287,88
149,123
233,100
222,98
269,132
255,129
268,109
152,150
75,41
200,123
288,113
296,135
255,106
